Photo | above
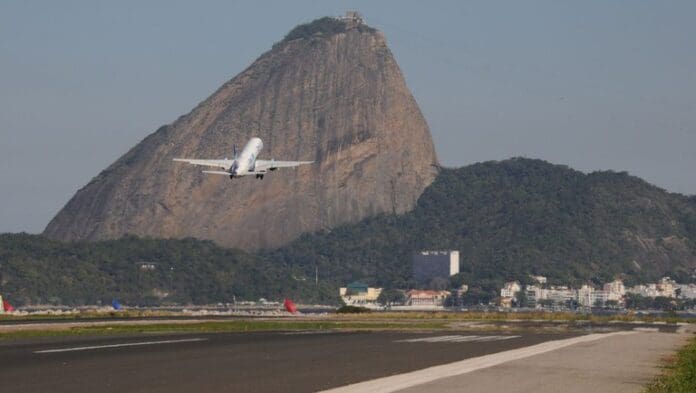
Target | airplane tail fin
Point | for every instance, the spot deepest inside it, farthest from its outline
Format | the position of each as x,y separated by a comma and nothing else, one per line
7,306
290,306
234,152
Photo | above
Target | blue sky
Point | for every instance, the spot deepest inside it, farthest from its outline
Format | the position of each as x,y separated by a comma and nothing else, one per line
593,84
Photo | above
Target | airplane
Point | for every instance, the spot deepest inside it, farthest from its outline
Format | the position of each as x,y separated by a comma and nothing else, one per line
244,164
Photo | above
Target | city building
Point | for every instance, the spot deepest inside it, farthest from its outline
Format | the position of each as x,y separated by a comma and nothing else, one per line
534,294
616,288
418,297
508,293
666,287
541,280
687,291
590,297
428,265
359,294
560,294
556,295
510,289
612,293
646,290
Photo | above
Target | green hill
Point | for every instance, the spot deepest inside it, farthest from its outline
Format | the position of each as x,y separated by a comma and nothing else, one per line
518,217
508,219
35,270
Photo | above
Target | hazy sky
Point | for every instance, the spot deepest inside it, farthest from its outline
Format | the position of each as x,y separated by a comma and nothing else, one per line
591,84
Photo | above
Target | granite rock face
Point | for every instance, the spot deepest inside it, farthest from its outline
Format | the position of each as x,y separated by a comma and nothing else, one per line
337,97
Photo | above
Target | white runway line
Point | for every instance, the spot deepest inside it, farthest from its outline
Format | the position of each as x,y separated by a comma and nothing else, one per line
419,377
136,344
456,339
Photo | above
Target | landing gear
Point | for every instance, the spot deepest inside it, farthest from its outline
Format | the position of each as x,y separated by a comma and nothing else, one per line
260,177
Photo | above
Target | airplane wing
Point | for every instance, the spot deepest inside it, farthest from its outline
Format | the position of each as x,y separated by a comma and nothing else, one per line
217,173
224,164
269,165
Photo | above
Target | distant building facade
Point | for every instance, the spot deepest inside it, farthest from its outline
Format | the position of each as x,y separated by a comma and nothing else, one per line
616,288
428,265
560,295
687,291
417,297
359,294
666,287
541,280
508,293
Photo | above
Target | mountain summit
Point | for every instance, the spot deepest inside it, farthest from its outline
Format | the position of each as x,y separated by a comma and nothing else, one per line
331,92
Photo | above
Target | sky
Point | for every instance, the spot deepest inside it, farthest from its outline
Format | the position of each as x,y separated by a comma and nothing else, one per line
594,85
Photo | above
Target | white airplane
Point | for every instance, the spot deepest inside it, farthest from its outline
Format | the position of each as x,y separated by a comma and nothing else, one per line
244,164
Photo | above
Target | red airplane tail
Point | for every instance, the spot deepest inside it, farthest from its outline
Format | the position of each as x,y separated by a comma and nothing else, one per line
7,306
290,306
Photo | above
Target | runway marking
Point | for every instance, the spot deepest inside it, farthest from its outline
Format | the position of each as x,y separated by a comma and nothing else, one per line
136,344
403,381
456,339
306,332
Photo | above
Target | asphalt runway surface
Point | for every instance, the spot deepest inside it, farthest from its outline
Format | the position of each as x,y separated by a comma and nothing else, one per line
238,362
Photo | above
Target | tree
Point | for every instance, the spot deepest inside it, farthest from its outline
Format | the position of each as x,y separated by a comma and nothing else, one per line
635,301
476,295
521,298
611,304
664,303
389,297
546,303
572,304
457,280
453,300
439,284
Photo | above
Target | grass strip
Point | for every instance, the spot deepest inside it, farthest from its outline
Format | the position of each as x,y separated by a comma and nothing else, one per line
501,316
494,316
680,373
223,327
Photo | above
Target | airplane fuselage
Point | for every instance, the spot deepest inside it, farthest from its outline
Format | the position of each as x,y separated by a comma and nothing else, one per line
245,162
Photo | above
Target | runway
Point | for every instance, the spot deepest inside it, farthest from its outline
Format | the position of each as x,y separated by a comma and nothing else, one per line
239,362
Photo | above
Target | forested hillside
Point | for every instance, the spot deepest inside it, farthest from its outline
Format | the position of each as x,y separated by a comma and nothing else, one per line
35,269
518,217
509,219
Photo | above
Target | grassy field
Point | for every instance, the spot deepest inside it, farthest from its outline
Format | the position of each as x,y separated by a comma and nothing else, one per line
90,315
522,316
680,373
241,325
136,322
432,315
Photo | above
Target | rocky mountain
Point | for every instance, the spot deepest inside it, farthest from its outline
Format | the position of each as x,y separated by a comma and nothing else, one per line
332,92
